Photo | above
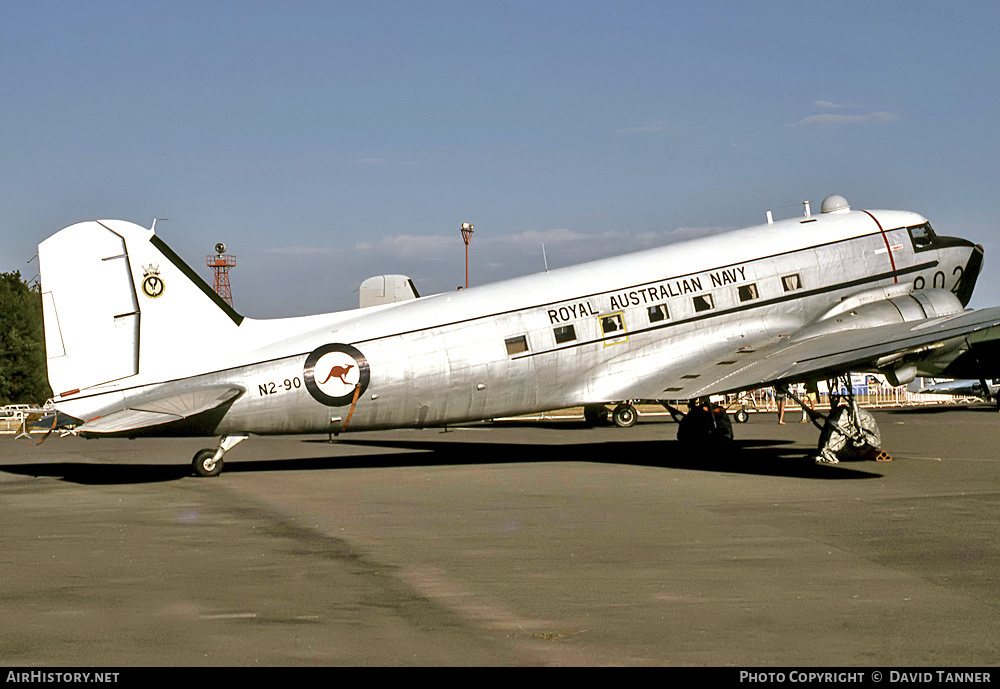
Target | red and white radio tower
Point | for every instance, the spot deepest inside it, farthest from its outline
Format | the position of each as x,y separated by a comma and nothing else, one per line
220,264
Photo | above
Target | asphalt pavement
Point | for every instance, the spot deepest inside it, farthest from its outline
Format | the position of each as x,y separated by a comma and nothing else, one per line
518,543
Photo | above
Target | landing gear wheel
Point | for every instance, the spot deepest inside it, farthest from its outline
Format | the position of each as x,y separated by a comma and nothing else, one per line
742,416
849,432
204,465
624,416
595,414
705,429
869,441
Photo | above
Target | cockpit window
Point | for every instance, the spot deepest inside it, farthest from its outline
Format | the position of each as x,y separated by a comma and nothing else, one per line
922,236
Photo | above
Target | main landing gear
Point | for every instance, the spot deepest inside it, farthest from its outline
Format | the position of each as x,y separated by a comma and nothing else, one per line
706,426
208,462
848,431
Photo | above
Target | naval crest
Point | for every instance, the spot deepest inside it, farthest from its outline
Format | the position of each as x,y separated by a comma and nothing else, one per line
152,283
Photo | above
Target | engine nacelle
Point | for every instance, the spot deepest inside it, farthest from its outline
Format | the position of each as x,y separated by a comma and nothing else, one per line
912,306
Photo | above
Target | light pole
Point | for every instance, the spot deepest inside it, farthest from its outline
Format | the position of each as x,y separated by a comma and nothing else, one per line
466,236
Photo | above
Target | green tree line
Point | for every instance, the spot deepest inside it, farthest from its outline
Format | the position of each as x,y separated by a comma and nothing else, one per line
22,342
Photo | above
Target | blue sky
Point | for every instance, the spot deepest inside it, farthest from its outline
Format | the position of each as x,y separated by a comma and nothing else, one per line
325,142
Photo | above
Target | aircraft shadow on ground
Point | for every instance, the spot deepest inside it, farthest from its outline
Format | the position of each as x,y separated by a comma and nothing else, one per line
751,457
760,457
102,474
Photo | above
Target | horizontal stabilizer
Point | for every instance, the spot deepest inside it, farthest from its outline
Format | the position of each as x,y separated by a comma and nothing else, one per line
158,410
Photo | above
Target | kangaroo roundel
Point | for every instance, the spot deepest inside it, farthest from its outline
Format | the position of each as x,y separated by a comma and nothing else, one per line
333,372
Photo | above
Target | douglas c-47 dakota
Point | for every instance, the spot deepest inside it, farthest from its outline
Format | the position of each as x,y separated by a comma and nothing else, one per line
138,344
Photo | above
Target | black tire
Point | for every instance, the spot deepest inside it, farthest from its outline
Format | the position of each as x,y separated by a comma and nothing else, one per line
203,464
742,416
624,416
595,414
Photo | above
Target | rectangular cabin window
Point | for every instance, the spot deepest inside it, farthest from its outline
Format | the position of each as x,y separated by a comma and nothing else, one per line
703,302
613,329
516,345
791,282
564,333
657,313
748,292
612,324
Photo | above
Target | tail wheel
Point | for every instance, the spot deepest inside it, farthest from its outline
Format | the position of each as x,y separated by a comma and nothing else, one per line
624,416
205,465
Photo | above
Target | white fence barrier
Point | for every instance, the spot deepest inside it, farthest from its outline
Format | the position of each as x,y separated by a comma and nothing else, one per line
870,396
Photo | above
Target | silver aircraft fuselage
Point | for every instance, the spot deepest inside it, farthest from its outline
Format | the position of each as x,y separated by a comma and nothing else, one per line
639,326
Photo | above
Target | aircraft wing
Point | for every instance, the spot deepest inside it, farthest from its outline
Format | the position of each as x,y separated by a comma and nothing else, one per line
790,360
158,409
953,387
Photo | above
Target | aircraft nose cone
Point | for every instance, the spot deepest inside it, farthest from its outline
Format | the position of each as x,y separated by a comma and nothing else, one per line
967,283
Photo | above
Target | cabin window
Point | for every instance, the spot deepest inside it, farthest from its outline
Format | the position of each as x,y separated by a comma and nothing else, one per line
658,313
922,236
564,333
612,324
791,282
703,302
613,329
516,345
748,292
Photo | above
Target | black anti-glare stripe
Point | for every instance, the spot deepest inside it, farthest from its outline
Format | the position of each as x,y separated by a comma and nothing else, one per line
745,307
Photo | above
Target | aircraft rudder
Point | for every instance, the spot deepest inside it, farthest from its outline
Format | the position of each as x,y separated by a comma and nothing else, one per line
89,307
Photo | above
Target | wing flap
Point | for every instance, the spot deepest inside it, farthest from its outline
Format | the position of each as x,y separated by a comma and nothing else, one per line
163,408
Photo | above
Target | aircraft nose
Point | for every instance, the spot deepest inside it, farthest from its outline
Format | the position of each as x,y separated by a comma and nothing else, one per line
967,283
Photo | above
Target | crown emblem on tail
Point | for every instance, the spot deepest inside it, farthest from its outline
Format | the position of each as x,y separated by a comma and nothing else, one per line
152,283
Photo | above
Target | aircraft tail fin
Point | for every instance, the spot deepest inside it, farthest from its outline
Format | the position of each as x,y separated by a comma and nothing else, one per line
120,307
